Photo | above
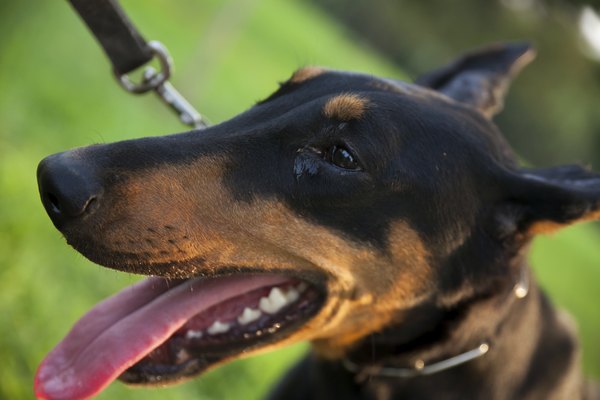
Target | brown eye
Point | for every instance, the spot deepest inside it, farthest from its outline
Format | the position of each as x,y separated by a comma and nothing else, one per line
342,158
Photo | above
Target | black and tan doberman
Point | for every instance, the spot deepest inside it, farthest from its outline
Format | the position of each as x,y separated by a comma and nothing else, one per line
385,222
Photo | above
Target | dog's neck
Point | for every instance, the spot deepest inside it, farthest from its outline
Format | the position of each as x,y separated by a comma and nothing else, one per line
431,338
421,366
523,333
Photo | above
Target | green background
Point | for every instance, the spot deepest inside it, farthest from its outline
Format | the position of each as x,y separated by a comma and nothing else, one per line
56,92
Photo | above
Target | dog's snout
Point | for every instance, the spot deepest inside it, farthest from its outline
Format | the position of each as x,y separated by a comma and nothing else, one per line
69,187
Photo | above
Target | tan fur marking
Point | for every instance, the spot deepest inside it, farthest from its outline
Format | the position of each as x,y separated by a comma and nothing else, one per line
346,107
306,73
398,284
549,227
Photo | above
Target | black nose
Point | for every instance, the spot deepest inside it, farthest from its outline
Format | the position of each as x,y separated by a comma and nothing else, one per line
68,186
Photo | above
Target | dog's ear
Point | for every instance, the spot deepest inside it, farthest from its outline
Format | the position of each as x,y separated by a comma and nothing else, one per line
481,78
545,200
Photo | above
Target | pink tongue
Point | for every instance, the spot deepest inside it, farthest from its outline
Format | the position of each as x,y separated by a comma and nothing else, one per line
122,329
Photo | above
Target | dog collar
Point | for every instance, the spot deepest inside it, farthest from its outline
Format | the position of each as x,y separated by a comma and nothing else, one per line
419,368
520,291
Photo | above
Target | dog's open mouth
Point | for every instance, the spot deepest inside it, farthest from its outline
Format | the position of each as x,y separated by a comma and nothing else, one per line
160,331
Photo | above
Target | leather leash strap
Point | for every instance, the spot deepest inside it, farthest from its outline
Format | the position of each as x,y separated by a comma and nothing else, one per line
127,51
121,41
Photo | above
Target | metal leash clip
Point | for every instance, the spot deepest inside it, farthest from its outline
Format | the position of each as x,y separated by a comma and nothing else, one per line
158,81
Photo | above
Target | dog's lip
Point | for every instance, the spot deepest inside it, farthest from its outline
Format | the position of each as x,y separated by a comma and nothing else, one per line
95,353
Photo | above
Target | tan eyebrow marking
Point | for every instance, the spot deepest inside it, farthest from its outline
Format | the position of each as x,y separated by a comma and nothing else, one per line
306,73
346,107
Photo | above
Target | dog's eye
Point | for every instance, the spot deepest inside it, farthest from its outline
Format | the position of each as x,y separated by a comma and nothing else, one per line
342,158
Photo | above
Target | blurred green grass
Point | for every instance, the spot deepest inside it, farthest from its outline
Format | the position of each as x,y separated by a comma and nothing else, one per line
56,92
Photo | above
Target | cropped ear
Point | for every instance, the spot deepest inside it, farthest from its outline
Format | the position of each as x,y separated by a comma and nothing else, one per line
545,200
480,79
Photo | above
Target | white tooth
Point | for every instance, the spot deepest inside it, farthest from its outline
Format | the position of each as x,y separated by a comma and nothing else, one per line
193,335
274,303
302,287
265,305
249,315
292,295
277,297
218,327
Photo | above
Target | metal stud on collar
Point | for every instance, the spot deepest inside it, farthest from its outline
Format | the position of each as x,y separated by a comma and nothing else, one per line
521,288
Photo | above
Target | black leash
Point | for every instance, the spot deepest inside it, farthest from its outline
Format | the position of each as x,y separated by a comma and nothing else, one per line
128,51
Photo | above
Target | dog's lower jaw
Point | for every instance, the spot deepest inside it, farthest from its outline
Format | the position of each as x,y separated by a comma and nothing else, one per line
533,354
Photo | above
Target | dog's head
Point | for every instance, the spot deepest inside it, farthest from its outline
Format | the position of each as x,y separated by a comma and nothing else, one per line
323,213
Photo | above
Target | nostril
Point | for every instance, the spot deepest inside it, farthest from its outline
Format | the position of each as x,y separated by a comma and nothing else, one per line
91,205
54,203
69,206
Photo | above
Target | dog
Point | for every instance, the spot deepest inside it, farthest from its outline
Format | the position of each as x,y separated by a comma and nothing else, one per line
385,222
